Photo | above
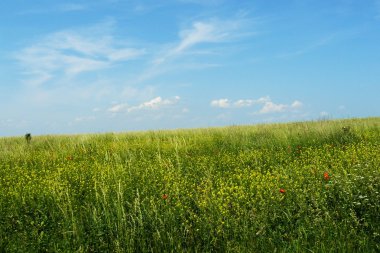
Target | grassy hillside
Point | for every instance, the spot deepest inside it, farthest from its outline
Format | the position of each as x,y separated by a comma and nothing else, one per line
297,187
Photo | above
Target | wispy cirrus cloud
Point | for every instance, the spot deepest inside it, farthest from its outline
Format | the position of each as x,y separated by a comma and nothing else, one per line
267,106
212,31
200,34
153,104
202,2
308,48
57,8
377,8
70,52
71,7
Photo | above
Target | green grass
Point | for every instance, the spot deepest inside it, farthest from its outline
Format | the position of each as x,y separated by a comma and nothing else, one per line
201,190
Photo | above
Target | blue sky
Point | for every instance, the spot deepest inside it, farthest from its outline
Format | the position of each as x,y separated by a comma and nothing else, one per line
121,65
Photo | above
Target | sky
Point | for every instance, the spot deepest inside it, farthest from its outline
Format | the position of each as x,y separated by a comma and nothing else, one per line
71,67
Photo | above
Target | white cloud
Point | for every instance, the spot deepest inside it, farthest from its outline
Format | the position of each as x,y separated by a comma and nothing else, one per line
221,103
118,108
296,104
263,100
244,103
153,104
69,53
270,107
225,103
250,102
267,105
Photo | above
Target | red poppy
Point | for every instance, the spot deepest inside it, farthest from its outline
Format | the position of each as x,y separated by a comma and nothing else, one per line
282,190
326,176
164,196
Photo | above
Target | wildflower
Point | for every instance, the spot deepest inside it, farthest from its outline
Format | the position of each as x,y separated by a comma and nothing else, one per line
326,176
165,196
299,148
282,190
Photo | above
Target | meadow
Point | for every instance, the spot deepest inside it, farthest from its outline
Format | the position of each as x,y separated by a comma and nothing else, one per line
294,187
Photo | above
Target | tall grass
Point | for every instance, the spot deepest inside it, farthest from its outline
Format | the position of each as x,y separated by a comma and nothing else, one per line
198,190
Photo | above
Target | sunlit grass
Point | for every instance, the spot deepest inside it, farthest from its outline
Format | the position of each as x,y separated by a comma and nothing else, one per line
296,187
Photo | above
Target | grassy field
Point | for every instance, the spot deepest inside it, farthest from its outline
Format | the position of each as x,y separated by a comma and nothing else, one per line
296,187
